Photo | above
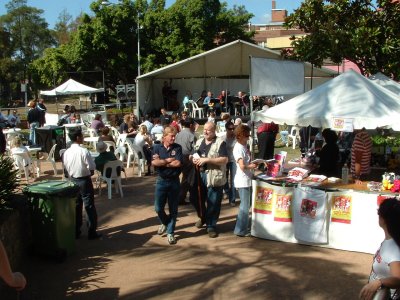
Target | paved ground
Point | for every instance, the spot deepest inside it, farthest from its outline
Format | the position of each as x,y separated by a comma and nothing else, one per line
132,262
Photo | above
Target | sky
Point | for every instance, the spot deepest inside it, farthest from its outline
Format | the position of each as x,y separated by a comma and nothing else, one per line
261,9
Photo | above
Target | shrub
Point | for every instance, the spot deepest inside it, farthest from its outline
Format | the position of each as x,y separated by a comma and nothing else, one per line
8,178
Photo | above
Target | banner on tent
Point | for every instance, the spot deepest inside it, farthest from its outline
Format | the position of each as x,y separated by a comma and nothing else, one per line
276,77
342,124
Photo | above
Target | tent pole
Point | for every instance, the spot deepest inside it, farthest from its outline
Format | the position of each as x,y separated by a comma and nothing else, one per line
251,111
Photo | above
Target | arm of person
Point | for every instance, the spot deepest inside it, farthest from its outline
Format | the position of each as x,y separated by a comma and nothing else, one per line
16,279
219,161
357,167
243,166
369,290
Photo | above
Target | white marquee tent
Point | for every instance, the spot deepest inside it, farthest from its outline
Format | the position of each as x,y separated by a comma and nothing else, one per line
223,68
386,82
350,96
71,87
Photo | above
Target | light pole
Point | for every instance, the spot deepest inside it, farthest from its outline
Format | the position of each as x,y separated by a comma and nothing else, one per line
107,3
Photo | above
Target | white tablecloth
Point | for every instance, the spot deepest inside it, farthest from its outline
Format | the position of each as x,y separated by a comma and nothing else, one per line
349,220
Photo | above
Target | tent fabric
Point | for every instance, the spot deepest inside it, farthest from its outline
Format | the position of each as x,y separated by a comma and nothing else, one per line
71,87
278,77
216,66
349,95
386,82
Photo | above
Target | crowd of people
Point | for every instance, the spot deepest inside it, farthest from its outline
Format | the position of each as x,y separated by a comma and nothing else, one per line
206,168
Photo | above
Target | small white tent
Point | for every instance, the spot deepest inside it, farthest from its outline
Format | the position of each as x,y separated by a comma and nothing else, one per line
386,82
71,87
223,68
350,96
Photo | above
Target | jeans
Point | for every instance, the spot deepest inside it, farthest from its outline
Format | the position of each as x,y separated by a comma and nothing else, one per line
167,190
229,187
32,134
85,198
242,221
209,206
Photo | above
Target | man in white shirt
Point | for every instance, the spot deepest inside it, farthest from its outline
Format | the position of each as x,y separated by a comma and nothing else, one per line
80,167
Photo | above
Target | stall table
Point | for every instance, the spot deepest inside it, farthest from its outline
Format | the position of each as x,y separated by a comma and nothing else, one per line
329,215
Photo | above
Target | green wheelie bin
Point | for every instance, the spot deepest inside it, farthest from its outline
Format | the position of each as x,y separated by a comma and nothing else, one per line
52,210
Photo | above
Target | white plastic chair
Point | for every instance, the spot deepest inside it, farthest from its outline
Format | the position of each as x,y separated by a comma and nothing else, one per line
114,132
294,136
112,171
61,152
135,154
50,158
120,151
23,163
110,145
158,136
196,109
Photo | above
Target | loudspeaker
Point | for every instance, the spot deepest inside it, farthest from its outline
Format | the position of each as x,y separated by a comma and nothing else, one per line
130,91
121,92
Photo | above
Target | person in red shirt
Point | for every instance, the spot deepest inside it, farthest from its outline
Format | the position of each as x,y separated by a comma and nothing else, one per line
266,135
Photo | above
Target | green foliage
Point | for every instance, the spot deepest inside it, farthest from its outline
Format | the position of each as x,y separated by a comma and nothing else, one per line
108,39
8,178
354,30
381,140
25,36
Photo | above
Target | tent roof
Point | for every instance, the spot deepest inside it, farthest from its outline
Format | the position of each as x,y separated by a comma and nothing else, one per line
386,82
228,60
71,87
350,95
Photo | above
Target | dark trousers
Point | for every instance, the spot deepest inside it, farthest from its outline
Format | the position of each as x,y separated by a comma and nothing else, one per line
206,200
85,198
187,181
266,144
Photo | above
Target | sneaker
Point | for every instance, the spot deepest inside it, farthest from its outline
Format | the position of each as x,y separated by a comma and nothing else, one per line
233,204
212,233
161,230
171,239
246,235
199,223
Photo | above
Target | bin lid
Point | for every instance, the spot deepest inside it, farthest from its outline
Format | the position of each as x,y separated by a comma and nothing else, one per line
49,187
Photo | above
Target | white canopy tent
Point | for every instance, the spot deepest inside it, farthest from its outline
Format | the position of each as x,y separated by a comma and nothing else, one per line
386,82
350,96
223,68
71,87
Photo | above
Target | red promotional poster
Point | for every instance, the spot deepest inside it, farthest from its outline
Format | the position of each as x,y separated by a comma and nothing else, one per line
308,208
341,209
283,208
263,203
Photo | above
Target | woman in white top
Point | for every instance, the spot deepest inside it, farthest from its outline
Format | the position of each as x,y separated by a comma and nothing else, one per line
242,180
143,141
385,270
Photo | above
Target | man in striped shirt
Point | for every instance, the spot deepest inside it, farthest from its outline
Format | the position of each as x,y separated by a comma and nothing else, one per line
361,155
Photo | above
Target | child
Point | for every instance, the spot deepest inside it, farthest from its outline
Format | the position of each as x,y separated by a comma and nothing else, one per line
211,117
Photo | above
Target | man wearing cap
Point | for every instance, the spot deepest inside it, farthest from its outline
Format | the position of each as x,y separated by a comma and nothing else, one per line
167,159
103,157
80,166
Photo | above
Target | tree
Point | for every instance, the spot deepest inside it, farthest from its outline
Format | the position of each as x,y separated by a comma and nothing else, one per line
355,30
108,40
28,35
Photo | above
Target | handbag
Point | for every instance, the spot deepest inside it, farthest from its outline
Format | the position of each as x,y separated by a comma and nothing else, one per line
382,294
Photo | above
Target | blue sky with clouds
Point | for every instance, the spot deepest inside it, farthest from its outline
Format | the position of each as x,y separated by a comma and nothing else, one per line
261,9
